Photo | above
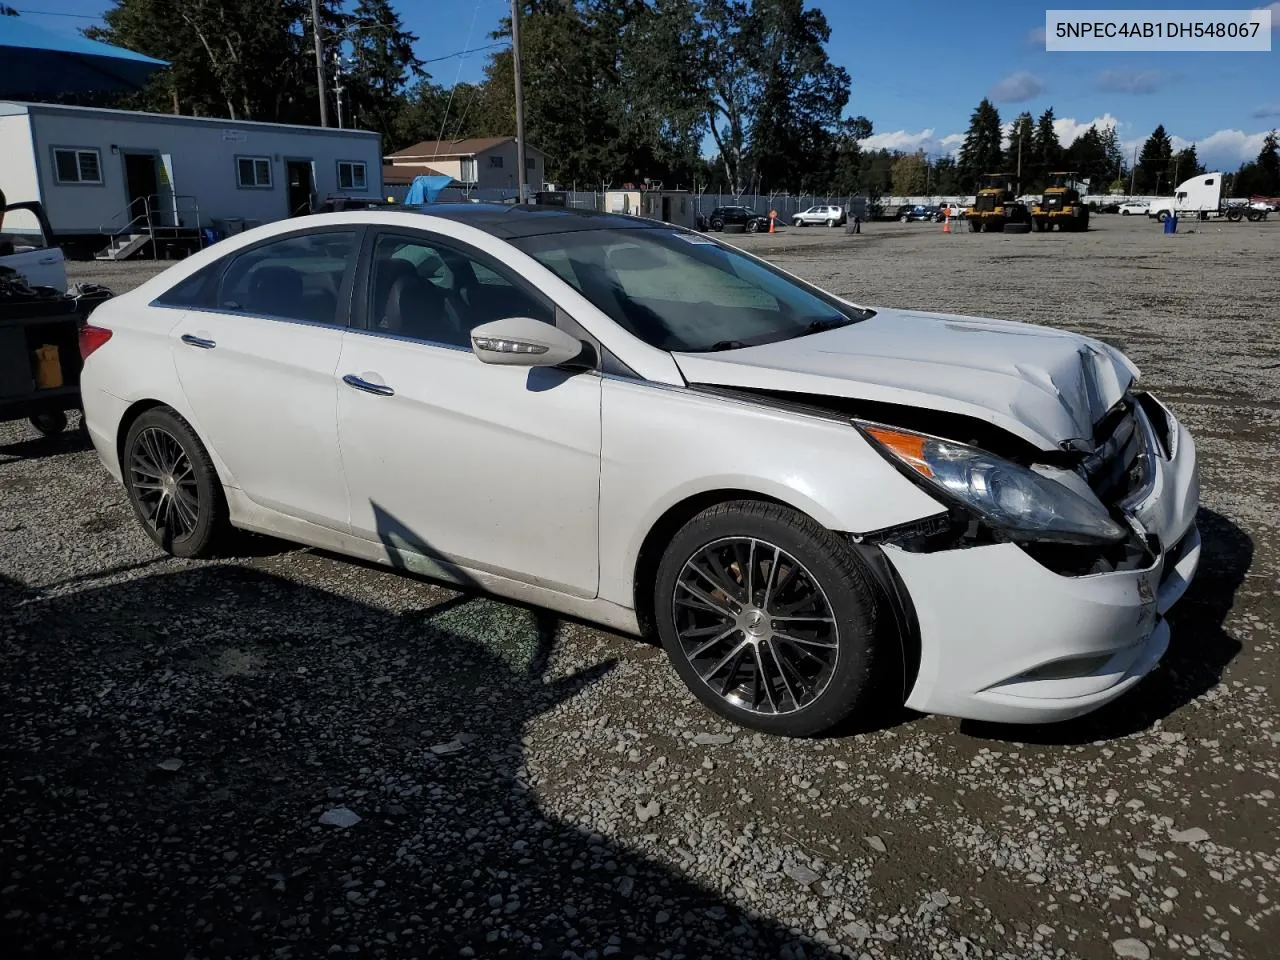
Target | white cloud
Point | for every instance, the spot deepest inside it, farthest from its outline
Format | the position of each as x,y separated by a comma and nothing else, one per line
1266,110
1017,87
1133,81
1229,148
908,142
1035,37
898,140
1069,128
1275,15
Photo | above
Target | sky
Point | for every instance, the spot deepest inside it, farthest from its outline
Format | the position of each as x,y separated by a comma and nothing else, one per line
919,69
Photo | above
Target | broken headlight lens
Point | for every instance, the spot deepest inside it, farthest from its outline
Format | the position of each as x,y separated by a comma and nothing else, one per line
1020,502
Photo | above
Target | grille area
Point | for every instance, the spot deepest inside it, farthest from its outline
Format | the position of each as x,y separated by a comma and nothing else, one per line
985,203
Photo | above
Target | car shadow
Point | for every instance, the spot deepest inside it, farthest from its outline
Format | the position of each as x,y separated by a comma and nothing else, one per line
172,746
1199,651
71,440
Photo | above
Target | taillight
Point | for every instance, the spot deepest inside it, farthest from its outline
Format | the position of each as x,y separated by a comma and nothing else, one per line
91,338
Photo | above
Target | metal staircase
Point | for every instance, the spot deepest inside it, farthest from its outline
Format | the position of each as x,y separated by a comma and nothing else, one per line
148,225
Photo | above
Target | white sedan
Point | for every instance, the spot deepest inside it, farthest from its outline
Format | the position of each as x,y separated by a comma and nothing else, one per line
1134,209
815,505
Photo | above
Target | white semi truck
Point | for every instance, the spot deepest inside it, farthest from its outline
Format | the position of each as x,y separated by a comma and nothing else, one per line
1201,198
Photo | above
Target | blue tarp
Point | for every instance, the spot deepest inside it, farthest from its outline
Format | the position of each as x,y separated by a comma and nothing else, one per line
426,189
39,64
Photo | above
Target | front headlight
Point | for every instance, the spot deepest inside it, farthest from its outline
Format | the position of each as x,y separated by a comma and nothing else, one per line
1019,502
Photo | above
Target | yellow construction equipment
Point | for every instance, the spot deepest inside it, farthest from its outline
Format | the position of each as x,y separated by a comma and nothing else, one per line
997,204
1060,206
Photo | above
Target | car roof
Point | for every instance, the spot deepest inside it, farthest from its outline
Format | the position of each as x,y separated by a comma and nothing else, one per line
509,220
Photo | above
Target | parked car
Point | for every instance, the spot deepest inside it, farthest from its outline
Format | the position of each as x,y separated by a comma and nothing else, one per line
27,246
919,213
750,221
1133,209
951,211
814,504
829,214
335,202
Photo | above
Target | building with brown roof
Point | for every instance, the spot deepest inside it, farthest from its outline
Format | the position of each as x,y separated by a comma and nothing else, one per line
477,163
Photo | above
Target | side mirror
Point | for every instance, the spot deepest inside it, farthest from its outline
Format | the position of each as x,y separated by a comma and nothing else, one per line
523,342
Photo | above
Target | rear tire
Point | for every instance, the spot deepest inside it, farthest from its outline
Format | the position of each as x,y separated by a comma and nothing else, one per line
830,224
50,424
173,486
808,639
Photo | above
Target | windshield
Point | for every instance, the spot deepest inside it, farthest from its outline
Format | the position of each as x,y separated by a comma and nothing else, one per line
684,292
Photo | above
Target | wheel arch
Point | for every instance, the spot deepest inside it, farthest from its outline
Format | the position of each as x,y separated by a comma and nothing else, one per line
127,420
139,407
893,592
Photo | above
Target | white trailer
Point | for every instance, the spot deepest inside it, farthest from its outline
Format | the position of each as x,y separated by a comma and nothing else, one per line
108,174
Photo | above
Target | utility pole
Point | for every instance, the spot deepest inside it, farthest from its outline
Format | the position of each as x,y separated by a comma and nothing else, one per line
1019,163
315,27
337,84
515,64
1133,171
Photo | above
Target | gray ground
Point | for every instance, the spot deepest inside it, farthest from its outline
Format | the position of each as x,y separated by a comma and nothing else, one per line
172,732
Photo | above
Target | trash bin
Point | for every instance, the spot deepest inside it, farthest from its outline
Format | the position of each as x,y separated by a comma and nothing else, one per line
1171,223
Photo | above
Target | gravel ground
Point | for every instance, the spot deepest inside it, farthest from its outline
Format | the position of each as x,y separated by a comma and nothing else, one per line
286,754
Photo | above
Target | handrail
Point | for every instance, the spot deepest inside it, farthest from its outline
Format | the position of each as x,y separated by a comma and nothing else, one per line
145,222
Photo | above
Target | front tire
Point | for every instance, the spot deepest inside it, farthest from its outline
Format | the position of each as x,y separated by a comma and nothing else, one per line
172,485
770,619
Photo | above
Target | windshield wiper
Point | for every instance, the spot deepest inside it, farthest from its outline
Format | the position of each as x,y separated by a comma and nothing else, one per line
727,345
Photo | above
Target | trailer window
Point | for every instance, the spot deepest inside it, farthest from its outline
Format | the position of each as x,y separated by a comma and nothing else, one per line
1208,183
77,165
253,171
351,175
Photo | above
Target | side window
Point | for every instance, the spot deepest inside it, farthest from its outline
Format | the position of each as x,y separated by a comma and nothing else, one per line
196,291
294,278
438,293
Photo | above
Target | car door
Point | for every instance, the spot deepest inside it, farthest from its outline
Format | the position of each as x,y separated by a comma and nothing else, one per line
256,360
452,462
27,247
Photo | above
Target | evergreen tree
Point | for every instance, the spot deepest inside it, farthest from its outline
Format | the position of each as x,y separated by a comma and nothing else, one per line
1153,163
1045,149
1087,155
981,153
1185,165
1021,139
382,61
1268,163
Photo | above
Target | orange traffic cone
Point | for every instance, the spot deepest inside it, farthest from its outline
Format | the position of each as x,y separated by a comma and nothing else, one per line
946,225
772,221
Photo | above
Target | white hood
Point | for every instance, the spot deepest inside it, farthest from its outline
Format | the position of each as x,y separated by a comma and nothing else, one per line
1046,386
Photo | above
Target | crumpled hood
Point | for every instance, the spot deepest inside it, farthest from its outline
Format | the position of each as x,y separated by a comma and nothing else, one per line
1047,386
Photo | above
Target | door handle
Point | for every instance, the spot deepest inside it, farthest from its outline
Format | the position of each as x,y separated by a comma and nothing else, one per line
380,389
49,259
200,342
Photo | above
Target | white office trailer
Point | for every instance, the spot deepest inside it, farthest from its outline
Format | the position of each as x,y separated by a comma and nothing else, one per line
111,176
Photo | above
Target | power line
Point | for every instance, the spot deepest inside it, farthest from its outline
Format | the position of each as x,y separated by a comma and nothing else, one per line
462,53
59,13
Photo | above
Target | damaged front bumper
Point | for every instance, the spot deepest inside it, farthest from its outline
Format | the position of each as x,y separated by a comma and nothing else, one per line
1005,639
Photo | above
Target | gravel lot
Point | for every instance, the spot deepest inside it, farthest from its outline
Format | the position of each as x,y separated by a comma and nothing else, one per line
176,737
